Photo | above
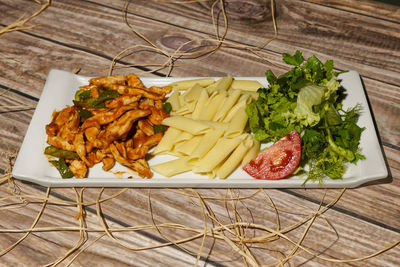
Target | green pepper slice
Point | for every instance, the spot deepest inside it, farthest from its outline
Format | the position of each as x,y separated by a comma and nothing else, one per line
83,94
85,114
60,153
62,168
158,128
97,102
167,107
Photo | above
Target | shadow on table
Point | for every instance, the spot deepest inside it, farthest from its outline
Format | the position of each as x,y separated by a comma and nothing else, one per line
389,177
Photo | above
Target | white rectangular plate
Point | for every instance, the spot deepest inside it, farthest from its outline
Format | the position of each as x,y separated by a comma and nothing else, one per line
32,165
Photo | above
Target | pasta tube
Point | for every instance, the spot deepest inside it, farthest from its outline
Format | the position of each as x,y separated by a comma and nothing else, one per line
189,125
228,104
235,158
217,154
252,153
206,144
201,103
186,84
167,141
174,100
172,167
238,123
247,85
193,93
187,147
214,103
242,102
222,84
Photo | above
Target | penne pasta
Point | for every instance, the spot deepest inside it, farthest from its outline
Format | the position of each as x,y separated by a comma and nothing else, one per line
182,137
193,93
181,100
175,153
174,100
214,103
247,85
238,123
189,125
206,144
253,95
242,102
201,103
218,125
172,167
217,154
187,147
252,153
186,109
212,174
186,84
235,158
209,124
221,85
167,141
228,104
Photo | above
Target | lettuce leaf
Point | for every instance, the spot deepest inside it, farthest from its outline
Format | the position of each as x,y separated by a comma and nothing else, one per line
308,98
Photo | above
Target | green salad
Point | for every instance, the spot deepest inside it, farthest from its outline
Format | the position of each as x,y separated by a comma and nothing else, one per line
308,98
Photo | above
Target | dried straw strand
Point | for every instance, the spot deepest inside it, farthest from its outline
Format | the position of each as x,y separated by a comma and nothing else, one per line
30,229
19,24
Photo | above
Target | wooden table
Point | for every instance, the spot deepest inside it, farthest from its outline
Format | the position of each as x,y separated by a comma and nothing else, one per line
358,35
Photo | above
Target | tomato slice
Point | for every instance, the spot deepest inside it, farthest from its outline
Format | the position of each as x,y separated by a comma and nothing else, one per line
277,161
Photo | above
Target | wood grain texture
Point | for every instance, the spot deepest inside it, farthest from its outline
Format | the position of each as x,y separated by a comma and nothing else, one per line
377,9
383,97
44,247
124,211
93,62
358,35
342,41
333,33
14,123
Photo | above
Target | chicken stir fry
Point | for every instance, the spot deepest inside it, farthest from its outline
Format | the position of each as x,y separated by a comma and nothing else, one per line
112,120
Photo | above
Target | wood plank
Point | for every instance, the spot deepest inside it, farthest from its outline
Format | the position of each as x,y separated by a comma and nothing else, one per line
303,29
295,209
168,207
379,98
27,73
384,98
14,123
230,66
384,109
380,194
302,26
384,10
41,248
